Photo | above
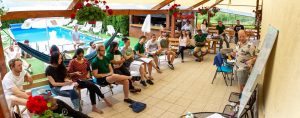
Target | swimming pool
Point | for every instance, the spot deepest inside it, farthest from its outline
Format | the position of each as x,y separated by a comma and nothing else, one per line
41,38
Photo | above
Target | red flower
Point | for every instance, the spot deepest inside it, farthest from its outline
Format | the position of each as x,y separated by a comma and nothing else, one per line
36,105
175,14
104,2
110,11
107,7
86,0
73,15
79,5
88,5
96,1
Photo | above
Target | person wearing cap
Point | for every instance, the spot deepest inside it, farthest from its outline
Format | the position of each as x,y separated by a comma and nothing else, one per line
76,37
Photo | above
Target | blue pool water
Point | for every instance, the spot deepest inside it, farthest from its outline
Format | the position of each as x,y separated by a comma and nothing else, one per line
43,34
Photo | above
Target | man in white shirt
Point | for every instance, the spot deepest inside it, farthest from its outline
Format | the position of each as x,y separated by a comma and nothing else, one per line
187,26
76,37
153,49
92,48
13,83
14,52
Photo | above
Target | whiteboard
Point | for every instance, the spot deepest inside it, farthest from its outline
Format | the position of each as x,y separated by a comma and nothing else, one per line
260,63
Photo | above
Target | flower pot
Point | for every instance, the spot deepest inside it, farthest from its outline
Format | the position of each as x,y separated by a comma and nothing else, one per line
92,22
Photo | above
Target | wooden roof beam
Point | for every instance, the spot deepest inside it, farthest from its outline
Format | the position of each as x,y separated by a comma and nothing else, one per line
67,13
162,4
73,4
197,5
217,2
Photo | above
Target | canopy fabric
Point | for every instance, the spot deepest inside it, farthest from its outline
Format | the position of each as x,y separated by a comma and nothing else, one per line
46,58
231,5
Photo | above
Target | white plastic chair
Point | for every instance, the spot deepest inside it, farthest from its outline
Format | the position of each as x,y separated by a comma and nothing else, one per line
87,27
110,30
73,23
98,27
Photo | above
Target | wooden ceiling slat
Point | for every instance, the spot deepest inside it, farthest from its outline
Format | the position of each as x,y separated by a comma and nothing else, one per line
162,4
72,5
197,5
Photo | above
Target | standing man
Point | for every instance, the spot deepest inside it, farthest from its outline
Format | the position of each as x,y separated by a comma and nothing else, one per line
76,37
245,54
13,83
237,28
220,27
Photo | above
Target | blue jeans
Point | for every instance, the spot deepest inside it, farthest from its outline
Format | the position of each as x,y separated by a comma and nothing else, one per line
67,93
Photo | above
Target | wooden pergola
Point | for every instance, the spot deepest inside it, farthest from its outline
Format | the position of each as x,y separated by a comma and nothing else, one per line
4,112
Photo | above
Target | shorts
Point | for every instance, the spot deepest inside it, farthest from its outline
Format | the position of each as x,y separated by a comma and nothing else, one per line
202,49
242,76
102,81
77,42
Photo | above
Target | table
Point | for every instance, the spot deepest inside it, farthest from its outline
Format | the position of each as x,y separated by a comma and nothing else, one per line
214,47
206,114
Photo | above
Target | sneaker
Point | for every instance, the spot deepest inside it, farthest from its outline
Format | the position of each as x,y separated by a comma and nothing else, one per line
134,90
150,82
128,100
171,66
143,83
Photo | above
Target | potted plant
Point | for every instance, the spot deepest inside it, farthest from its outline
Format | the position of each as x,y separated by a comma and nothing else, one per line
215,9
38,106
203,11
174,10
91,11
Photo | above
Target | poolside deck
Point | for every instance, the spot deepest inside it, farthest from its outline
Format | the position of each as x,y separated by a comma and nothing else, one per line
187,88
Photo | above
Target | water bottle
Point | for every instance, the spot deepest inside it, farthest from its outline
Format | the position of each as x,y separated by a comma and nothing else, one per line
189,115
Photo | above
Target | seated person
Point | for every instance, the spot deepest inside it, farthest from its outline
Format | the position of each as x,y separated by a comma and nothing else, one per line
184,43
117,61
24,54
153,49
163,41
128,55
92,47
13,52
200,39
245,55
139,50
80,68
60,107
57,75
103,71
13,84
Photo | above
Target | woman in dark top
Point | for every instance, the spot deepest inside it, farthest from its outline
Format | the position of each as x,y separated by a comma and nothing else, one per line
57,76
60,107
81,67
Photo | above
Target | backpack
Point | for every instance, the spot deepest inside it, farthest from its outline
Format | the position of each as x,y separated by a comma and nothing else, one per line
138,106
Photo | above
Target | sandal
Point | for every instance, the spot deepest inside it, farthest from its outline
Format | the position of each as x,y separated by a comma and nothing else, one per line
135,90
128,100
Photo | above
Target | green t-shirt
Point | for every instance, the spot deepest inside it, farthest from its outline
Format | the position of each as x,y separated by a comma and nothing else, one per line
163,42
200,38
220,29
101,64
139,47
110,56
